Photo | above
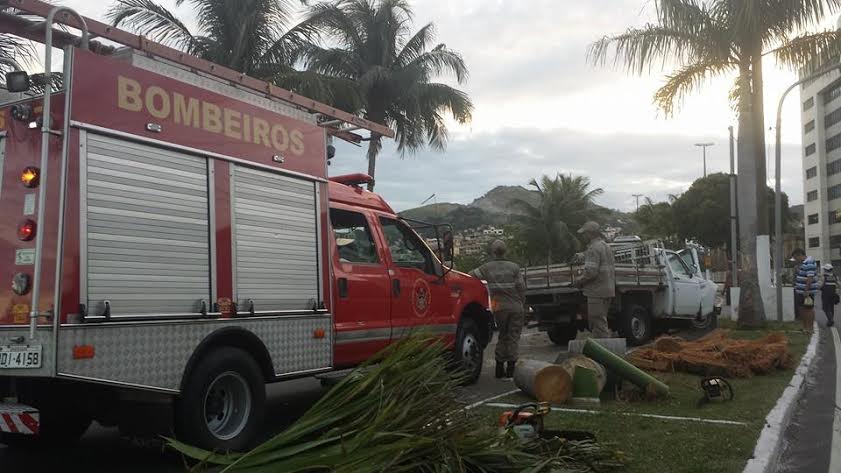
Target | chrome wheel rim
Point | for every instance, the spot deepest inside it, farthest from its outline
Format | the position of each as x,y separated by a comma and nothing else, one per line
469,352
227,405
637,328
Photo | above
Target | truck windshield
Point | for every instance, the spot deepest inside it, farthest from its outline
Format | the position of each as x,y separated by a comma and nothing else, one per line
677,266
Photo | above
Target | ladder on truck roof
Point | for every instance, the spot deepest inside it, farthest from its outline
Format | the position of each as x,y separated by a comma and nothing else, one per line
329,117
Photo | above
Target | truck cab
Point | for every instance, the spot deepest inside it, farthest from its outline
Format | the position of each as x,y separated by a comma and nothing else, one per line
387,281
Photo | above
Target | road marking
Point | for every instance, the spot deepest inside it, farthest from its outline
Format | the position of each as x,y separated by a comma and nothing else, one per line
492,398
835,452
631,414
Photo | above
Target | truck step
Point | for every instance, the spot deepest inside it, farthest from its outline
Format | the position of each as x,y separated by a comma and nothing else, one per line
332,378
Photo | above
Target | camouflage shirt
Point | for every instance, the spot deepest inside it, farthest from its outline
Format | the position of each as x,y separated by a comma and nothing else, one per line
599,278
505,283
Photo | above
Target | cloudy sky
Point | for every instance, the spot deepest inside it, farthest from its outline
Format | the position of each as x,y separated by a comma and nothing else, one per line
541,109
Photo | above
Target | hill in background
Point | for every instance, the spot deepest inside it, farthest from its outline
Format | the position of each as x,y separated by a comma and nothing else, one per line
496,208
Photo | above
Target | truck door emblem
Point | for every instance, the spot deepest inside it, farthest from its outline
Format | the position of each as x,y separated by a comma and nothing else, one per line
421,298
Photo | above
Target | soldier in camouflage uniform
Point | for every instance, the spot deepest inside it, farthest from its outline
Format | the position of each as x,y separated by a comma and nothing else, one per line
599,280
507,290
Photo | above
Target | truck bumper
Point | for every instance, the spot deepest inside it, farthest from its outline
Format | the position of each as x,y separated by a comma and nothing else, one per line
19,419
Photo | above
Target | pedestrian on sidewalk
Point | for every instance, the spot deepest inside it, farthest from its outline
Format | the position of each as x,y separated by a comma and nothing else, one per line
598,283
508,290
829,294
806,287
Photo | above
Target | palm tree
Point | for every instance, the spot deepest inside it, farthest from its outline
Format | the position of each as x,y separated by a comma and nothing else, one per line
249,36
704,39
547,226
392,70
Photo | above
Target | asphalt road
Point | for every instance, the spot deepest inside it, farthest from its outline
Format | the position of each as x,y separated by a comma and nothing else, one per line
103,450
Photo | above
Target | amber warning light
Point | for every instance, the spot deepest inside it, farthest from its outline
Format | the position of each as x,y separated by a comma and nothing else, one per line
30,176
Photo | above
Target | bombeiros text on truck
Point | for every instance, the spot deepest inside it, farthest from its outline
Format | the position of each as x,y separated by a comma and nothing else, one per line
176,244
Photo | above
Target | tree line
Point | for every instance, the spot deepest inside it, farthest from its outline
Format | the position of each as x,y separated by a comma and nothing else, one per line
701,214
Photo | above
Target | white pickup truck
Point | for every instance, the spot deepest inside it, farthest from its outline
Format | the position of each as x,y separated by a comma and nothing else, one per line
655,288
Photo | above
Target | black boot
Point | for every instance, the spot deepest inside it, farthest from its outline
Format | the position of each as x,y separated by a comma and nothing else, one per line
500,369
509,372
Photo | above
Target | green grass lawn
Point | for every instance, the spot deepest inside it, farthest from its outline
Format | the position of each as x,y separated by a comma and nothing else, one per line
657,445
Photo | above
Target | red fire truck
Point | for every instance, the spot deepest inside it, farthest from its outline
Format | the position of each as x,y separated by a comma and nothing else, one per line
175,243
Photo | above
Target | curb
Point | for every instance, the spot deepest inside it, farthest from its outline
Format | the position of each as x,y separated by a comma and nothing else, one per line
767,452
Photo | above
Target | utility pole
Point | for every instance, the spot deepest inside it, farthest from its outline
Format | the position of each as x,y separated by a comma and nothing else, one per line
734,240
637,196
705,146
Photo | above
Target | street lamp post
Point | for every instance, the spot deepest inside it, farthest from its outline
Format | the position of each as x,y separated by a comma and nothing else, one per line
637,196
778,199
705,146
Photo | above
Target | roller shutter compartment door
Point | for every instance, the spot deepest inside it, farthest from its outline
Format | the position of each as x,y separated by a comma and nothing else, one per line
147,230
275,236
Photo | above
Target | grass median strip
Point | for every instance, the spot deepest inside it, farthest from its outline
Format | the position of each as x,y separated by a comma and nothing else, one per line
674,434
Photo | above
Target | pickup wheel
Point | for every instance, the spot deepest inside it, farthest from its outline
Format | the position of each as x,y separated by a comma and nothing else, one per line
222,404
636,325
562,334
469,352
705,322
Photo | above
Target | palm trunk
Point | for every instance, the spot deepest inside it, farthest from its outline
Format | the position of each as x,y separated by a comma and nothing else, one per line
374,147
751,310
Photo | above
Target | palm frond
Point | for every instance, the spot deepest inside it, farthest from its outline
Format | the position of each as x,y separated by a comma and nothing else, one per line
685,80
416,45
814,51
784,16
152,20
641,49
441,61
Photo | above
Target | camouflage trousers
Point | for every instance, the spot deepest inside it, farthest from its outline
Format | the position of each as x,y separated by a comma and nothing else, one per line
597,308
509,325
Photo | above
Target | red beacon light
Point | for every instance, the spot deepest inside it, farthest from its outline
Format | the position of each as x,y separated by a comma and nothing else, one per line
26,230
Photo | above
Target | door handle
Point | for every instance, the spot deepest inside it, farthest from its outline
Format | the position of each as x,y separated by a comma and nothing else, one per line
342,288
395,287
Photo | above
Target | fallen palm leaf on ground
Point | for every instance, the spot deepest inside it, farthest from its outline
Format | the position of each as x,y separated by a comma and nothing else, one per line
716,354
399,413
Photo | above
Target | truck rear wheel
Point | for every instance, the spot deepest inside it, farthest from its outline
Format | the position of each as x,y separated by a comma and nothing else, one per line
469,351
223,402
562,334
636,325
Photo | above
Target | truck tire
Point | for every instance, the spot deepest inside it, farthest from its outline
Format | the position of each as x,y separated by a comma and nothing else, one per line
469,351
705,322
223,401
636,325
562,334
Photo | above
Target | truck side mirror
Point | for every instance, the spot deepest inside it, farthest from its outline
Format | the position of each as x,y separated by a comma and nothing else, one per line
17,81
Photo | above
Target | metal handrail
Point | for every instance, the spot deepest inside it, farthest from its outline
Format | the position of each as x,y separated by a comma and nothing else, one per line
45,153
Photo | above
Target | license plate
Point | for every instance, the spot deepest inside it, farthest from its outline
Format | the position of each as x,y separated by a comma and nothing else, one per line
20,356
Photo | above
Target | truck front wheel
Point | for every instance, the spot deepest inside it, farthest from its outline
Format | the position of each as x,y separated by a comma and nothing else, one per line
223,402
562,334
636,324
469,350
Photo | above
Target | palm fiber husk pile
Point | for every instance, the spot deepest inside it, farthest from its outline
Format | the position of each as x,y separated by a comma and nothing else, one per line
400,413
716,354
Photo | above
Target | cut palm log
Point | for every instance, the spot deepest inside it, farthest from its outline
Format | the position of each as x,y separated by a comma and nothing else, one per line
624,369
543,381
571,363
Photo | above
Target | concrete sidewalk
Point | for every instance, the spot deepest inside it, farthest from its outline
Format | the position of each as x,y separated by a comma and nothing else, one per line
808,440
